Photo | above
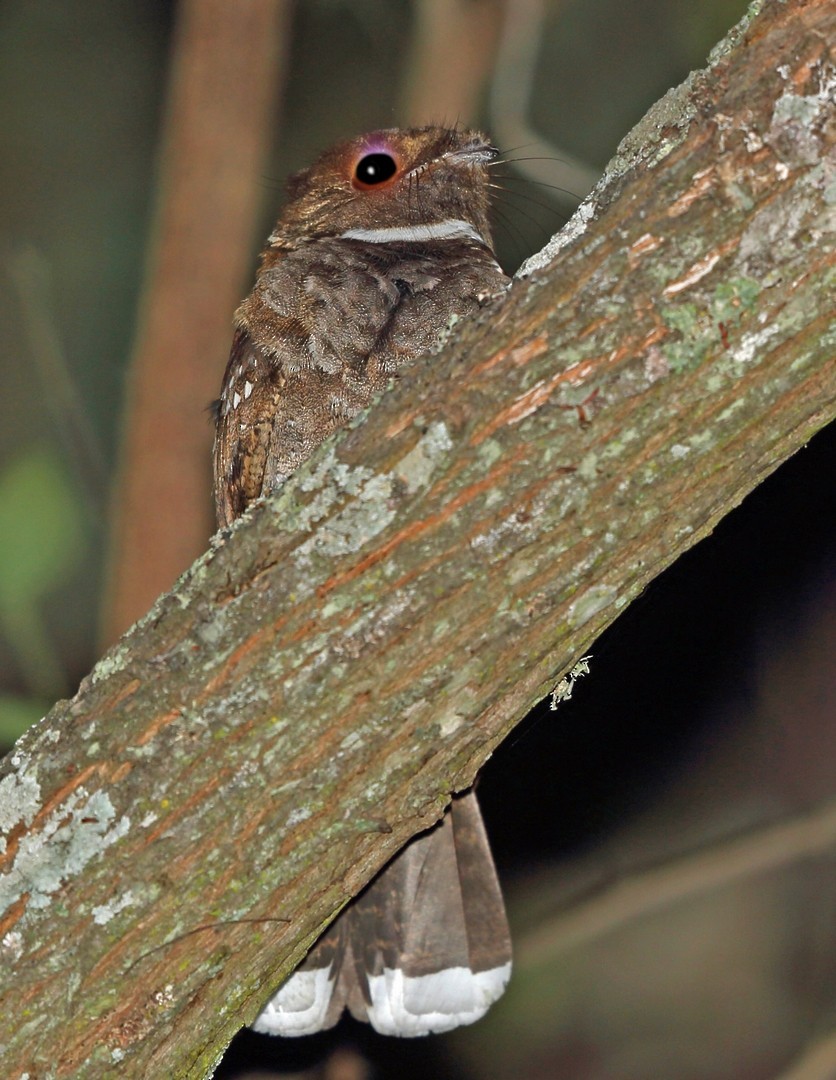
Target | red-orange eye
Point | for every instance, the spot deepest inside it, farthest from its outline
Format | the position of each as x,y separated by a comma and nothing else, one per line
373,169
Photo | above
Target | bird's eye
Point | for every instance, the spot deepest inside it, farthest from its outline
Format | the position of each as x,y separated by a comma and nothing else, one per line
373,169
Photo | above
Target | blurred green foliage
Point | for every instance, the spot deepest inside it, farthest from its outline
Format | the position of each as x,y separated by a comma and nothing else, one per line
42,538
19,713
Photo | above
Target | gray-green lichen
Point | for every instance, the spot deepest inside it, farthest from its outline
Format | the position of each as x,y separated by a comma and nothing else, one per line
78,830
589,603
417,467
353,522
352,527
103,913
662,128
733,38
20,800
698,325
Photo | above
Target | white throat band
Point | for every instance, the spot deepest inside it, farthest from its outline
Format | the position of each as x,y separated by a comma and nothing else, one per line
454,229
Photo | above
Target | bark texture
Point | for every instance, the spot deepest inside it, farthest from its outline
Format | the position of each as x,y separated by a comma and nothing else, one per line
351,652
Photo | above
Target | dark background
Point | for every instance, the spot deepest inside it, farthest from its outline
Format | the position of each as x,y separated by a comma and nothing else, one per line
709,711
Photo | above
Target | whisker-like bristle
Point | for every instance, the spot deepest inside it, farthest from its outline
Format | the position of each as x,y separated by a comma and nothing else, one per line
550,208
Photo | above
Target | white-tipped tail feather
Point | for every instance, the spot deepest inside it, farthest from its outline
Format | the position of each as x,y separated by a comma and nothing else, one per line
429,1004
400,1005
300,1006
424,949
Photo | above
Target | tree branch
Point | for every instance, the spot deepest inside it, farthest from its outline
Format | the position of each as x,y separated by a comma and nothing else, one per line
330,671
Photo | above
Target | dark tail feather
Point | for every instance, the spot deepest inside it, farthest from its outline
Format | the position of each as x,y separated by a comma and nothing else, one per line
425,948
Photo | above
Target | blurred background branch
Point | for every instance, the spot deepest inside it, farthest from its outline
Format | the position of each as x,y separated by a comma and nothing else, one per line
817,1063
512,106
220,120
451,53
638,895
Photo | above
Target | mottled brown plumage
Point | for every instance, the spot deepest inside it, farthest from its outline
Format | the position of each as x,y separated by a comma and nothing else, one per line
384,240
331,318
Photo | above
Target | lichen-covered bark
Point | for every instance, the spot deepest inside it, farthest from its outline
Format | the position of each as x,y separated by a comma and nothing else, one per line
330,671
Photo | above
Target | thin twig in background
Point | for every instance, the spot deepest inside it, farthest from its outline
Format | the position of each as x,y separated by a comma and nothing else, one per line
817,1063
808,836
221,117
451,55
510,105
28,271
